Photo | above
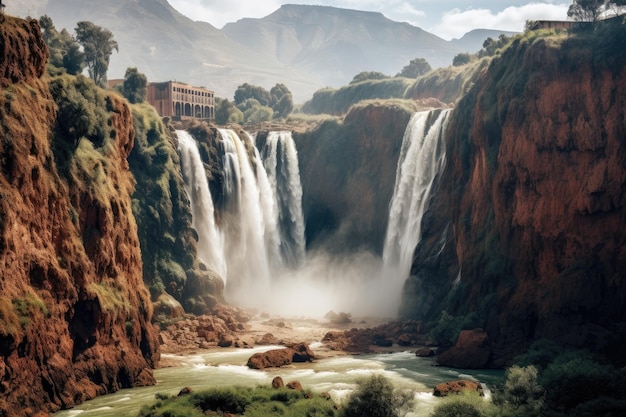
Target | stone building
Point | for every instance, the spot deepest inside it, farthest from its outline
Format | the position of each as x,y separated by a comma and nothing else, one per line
181,101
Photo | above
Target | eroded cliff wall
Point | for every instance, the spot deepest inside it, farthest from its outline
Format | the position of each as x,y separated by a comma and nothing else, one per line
348,171
525,235
74,312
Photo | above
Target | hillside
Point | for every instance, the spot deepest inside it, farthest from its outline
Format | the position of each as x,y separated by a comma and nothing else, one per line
304,47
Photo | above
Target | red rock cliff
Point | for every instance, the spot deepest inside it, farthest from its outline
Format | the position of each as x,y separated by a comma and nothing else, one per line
530,213
74,312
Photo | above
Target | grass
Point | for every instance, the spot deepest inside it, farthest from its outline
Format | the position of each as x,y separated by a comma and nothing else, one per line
250,402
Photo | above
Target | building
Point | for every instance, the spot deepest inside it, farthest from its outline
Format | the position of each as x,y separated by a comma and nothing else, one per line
181,101
558,24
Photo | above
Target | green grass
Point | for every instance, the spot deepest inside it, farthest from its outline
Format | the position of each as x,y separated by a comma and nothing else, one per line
250,402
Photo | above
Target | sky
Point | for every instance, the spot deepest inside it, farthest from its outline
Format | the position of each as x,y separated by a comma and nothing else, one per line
445,18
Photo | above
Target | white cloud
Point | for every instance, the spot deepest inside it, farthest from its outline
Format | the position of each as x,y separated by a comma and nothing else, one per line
220,12
455,23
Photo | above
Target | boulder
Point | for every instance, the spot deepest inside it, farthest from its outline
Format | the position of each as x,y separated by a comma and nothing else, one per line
168,306
295,385
185,391
226,340
274,358
471,351
425,353
268,339
456,387
405,339
302,353
277,382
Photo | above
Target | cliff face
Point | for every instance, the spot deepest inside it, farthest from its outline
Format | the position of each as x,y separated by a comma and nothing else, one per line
529,214
74,313
348,173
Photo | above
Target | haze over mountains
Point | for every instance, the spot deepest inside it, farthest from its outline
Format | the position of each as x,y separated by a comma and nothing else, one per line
304,47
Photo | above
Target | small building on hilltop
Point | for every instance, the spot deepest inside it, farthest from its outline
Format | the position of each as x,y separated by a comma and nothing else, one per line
181,101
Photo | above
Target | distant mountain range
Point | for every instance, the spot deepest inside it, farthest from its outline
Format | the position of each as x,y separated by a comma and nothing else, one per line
304,47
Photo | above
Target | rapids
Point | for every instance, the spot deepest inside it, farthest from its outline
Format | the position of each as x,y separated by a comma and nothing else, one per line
336,375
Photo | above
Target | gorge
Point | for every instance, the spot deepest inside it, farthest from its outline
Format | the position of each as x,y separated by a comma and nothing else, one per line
506,212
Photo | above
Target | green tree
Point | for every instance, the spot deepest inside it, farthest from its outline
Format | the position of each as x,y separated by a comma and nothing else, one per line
226,112
98,45
135,86
461,59
522,395
368,75
491,46
281,101
64,50
246,91
587,10
415,68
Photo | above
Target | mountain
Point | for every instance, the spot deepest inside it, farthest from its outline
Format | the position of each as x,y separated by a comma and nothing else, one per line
333,45
304,47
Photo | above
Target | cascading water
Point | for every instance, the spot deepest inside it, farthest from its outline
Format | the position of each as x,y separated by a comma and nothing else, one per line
210,240
422,157
280,159
244,224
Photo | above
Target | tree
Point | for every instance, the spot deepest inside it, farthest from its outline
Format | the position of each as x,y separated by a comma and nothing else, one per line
135,86
368,75
417,67
226,112
246,91
522,394
586,10
461,59
491,46
64,50
281,101
98,45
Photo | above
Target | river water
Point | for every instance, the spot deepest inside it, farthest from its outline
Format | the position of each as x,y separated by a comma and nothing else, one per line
335,375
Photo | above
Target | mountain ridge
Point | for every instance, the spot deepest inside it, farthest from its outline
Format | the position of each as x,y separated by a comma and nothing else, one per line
305,47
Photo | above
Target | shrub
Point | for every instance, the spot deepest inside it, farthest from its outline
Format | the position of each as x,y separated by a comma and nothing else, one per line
376,397
464,405
575,381
522,395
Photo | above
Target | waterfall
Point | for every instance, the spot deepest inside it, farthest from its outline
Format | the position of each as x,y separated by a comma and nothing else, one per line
422,157
280,159
210,240
245,225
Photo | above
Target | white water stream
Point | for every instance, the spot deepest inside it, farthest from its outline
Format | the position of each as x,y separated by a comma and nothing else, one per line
336,376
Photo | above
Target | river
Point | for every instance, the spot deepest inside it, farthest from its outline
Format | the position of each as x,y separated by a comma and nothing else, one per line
335,375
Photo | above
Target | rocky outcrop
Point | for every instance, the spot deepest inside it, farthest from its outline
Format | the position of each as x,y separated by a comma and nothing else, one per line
362,340
75,314
220,327
525,228
456,387
276,358
348,173
471,351
161,207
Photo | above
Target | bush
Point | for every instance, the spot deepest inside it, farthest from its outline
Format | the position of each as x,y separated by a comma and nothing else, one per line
575,381
468,404
376,397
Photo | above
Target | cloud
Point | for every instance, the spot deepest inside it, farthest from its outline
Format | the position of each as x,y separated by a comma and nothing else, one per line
455,23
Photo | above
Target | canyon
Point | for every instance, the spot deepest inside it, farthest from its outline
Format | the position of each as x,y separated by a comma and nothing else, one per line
521,232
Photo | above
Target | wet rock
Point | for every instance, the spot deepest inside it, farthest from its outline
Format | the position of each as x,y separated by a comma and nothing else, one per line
302,353
471,351
295,385
268,339
425,353
277,382
456,387
274,358
185,391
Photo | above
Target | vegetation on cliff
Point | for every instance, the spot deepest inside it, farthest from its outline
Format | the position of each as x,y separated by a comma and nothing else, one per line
161,207
75,313
534,186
